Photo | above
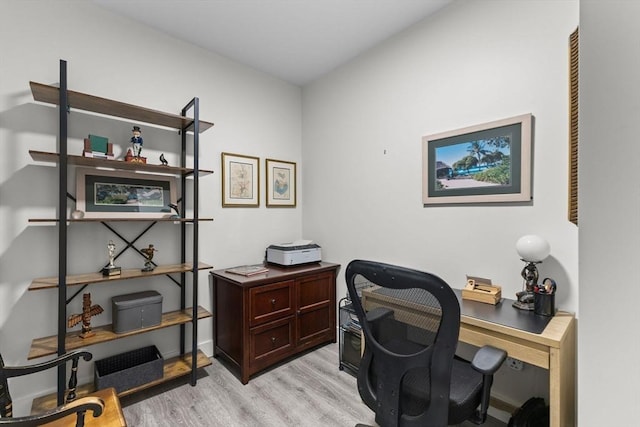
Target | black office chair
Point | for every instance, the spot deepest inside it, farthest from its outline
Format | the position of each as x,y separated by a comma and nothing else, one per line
409,374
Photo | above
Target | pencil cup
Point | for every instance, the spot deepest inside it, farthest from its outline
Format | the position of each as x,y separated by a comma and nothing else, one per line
544,304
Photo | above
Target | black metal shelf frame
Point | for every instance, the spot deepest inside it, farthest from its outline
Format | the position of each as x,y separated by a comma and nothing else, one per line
191,126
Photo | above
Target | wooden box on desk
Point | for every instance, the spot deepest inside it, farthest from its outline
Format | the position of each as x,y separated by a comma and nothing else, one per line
482,292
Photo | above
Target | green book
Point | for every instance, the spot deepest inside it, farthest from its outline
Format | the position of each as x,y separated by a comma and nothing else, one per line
99,143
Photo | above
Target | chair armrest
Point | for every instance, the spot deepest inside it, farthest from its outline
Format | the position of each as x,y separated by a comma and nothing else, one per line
488,359
17,371
80,407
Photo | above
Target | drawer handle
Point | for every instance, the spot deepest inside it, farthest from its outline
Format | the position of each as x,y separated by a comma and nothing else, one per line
273,340
273,302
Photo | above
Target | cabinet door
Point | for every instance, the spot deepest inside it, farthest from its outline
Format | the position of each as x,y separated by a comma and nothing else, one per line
315,300
270,302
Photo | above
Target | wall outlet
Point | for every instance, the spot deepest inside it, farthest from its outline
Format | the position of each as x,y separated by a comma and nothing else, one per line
515,364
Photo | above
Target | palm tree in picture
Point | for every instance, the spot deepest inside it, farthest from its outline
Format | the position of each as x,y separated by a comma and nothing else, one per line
466,163
477,149
500,142
492,158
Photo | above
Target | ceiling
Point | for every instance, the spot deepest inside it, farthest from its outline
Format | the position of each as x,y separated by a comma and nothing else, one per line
294,40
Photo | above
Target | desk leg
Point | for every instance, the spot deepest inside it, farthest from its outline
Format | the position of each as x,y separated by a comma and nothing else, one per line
562,381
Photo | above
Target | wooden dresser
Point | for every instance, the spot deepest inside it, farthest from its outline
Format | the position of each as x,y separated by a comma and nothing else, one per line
263,319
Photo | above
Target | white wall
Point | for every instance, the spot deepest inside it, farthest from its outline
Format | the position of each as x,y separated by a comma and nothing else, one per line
609,203
110,56
471,63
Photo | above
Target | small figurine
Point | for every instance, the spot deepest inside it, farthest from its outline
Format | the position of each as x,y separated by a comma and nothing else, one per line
136,141
77,214
111,269
88,310
530,275
163,160
175,208
525,297
148,253
129,156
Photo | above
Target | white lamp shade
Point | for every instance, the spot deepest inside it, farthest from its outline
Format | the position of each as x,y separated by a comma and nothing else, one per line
532,248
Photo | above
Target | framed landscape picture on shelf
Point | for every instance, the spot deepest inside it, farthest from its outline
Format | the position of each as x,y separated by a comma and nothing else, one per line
122,194
486,163
281,183
240,180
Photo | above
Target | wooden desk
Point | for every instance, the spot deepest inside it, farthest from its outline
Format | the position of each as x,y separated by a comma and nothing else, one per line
554,349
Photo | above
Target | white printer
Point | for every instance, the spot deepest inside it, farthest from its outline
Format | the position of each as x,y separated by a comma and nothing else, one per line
294,253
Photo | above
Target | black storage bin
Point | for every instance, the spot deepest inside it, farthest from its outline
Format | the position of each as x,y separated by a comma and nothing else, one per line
135,311
129,370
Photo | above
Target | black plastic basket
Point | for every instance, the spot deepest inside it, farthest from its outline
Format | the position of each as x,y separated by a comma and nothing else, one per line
129,370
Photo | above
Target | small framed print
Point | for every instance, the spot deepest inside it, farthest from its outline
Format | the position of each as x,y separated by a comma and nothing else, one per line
240,181
281,183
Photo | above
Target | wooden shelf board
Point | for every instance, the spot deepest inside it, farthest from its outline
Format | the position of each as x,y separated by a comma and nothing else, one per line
41,220
82,101
47,346
133,273
43,156
173,368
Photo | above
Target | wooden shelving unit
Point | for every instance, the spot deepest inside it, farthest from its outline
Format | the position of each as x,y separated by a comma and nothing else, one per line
187,121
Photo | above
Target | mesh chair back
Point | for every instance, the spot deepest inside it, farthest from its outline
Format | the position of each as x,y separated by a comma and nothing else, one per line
410,321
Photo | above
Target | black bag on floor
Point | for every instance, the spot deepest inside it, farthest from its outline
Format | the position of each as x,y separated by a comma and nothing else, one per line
534,413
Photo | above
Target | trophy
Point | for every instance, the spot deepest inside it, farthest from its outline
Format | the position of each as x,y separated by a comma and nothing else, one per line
148,255
111,269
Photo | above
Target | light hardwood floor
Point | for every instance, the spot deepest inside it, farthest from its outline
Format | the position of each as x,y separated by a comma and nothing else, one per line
307,391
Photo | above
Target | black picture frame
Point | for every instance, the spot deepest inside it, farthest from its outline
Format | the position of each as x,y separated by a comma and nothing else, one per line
122,194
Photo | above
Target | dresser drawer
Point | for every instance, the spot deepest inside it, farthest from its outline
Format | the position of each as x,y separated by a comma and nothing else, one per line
270,302
270,343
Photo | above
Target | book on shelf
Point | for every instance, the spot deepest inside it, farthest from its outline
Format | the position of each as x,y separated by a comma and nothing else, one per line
248,270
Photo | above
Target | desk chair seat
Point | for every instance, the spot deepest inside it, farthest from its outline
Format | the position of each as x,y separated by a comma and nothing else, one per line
409,374
102,408
464,394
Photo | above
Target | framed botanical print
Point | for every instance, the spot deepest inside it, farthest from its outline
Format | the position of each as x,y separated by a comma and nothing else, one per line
240,180
281,183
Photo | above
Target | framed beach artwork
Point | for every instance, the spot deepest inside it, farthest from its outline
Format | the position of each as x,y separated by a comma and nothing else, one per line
240,180
122,194
281,183
486,163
